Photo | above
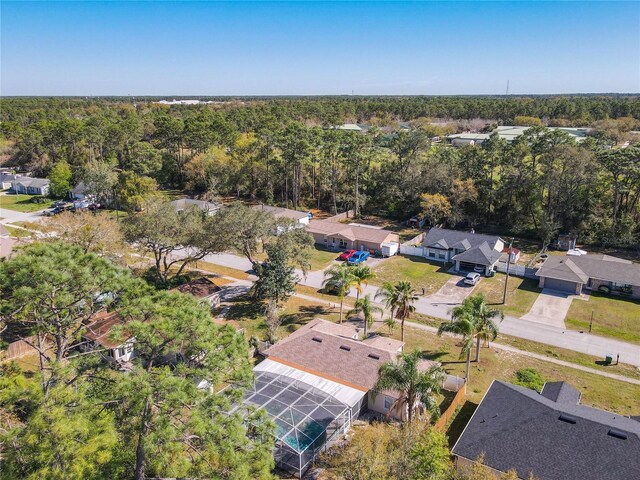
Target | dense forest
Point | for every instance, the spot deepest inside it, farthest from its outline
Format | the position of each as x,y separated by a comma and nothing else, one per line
284,151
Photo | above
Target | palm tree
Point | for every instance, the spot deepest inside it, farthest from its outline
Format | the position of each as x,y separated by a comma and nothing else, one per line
473,320
365,306
485,327
362,274
387,293
390,323
399,298
339,278
406,297
413,383
461,324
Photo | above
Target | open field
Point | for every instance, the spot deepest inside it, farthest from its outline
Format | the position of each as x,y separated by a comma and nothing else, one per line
23,203
613,316
521,293
417,270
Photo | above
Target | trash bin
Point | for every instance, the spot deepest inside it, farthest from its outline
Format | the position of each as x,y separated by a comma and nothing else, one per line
608,359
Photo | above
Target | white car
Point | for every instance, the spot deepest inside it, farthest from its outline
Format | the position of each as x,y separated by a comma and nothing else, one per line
472,278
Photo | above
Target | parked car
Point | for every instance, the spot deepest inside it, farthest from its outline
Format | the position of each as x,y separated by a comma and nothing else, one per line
333,290
346,255
358,258
472,278
479,269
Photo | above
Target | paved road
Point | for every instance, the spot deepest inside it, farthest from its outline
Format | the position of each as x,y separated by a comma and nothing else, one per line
11,216
517,327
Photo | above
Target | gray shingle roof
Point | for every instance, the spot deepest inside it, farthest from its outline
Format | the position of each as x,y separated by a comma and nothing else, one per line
517,428
445,238
482,254
281,212
561,392
581,268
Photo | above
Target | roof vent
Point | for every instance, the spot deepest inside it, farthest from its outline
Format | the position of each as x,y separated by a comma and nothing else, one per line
568,419
317,339
374,356
617,434
344,347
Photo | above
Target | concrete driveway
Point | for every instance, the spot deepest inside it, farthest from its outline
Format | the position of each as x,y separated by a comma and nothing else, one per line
550,308
450,294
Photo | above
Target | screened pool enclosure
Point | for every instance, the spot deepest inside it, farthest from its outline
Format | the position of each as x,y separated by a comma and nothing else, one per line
306,417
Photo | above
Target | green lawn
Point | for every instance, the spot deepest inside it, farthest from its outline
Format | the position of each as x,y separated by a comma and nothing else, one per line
597,391
23,203
320,258
521,293
417,270
17,232
249,315
613,316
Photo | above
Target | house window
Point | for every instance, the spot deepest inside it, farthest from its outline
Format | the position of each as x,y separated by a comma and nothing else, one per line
432,254
442,256
388,402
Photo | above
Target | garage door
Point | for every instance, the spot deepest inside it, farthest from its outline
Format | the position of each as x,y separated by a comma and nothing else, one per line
562,285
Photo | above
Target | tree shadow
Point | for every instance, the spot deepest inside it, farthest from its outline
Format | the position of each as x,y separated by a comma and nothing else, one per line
305,313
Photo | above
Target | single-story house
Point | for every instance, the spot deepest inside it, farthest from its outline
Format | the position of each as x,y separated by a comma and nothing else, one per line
97,336
79,192
297,216
548,435
30,185
7,179
203,289
341,236
572,273
316,382
466,249
184,203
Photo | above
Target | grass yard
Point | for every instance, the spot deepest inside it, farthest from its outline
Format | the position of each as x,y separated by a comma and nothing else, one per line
417,270
17,232
521,293
544,349
319,258
597,391
613,316
220,270
29,225
249,314
23,203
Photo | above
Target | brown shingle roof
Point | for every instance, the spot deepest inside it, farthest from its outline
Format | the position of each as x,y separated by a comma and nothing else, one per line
100,326
349,361
201,288
352,232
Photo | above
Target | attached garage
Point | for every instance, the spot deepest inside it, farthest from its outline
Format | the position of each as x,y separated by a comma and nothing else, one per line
561,285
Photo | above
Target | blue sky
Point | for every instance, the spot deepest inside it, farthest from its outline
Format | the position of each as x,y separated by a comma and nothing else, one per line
247,48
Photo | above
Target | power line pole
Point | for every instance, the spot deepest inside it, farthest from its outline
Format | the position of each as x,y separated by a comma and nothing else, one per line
506,280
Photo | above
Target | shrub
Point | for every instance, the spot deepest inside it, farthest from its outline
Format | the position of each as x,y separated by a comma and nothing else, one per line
530,378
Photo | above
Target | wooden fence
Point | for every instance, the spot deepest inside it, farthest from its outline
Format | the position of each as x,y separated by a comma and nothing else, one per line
17,349
458,399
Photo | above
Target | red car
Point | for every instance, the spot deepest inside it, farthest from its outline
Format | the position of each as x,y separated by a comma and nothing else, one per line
346,255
